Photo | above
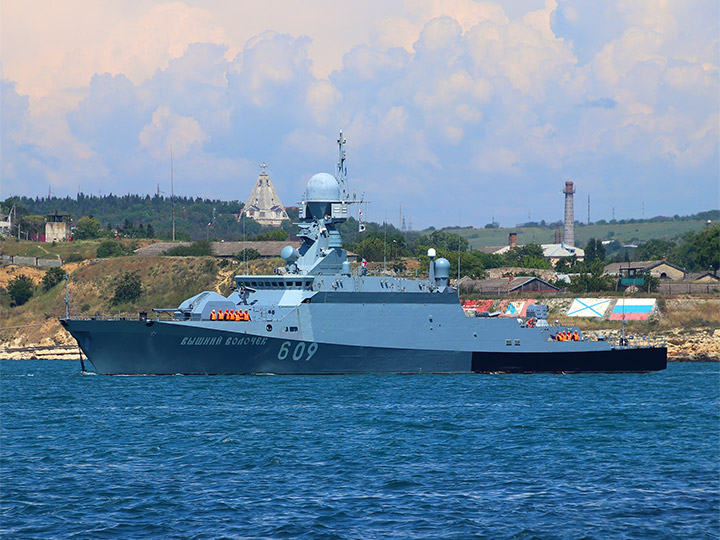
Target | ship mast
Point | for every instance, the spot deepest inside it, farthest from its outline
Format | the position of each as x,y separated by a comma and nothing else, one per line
341,170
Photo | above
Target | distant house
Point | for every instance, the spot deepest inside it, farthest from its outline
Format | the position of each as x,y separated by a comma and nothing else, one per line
510,285
57,227
6,224
553,252
702,277
636,269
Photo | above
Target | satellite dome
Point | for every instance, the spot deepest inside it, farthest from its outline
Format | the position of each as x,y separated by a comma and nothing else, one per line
322,187
442,268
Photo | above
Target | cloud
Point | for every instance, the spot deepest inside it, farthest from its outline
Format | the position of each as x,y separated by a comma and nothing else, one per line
446,104
171,132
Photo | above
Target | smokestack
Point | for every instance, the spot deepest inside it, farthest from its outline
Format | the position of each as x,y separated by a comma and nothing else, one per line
512,239
569,233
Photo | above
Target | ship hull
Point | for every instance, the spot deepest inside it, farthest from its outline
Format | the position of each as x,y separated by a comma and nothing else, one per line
155,348
623,360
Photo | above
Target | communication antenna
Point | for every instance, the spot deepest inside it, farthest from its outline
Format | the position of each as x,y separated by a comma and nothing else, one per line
588,209
172,193
459,237
385,245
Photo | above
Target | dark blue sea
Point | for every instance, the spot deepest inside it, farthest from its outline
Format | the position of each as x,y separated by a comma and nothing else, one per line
373,456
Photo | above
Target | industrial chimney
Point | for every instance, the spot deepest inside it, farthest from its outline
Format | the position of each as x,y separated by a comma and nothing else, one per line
569,233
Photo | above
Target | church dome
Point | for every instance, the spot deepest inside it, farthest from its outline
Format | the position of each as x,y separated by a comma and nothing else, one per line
322,187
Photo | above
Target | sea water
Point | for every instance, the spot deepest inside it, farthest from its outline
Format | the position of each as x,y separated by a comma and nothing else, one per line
623,456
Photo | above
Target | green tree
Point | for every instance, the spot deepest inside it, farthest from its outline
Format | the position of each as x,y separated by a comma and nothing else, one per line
592,279
128,289
112,248
447,240
52,277
274,235
652,283
566,265
372,249
196,249
20,289
87,228
527,256
655,249
594,250
700,251
248,254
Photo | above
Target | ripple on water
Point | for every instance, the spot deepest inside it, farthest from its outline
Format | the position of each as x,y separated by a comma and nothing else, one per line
583,456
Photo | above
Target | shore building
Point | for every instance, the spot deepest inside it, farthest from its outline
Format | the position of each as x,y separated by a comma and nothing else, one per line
264,204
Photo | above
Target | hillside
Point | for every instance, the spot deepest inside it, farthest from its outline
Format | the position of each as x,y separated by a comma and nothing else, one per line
167,281
640,231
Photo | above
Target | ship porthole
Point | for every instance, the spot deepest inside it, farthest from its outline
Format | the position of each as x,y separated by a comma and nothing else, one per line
269,328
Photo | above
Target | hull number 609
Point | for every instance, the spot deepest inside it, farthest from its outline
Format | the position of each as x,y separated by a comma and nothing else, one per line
299,352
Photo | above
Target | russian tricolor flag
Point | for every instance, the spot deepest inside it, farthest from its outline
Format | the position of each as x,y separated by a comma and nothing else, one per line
633,309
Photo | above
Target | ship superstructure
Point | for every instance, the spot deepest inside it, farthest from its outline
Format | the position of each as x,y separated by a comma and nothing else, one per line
317,316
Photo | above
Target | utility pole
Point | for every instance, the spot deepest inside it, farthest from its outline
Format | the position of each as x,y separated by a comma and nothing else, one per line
172,193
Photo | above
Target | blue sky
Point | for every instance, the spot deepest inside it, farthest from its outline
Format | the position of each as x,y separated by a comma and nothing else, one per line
459,111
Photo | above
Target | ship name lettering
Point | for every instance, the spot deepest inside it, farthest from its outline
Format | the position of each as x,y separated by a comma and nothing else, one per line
201,340
255,340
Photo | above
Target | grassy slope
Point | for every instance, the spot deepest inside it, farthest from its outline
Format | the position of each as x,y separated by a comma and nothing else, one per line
167,281
87,249
626,232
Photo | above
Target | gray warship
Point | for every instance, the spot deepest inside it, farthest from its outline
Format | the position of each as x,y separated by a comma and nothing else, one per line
318,316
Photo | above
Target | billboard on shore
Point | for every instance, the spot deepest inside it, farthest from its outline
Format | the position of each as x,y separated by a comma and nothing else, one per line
589,307
632,309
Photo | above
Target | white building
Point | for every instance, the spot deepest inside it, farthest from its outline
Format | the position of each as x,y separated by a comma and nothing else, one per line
264,204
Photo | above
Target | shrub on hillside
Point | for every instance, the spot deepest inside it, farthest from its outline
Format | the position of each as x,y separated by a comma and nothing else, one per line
248,254
52,277
128,289
196,249
74,257
20,289
113,248
274,235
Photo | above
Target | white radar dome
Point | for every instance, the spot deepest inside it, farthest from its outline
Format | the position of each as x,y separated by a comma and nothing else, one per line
322,187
